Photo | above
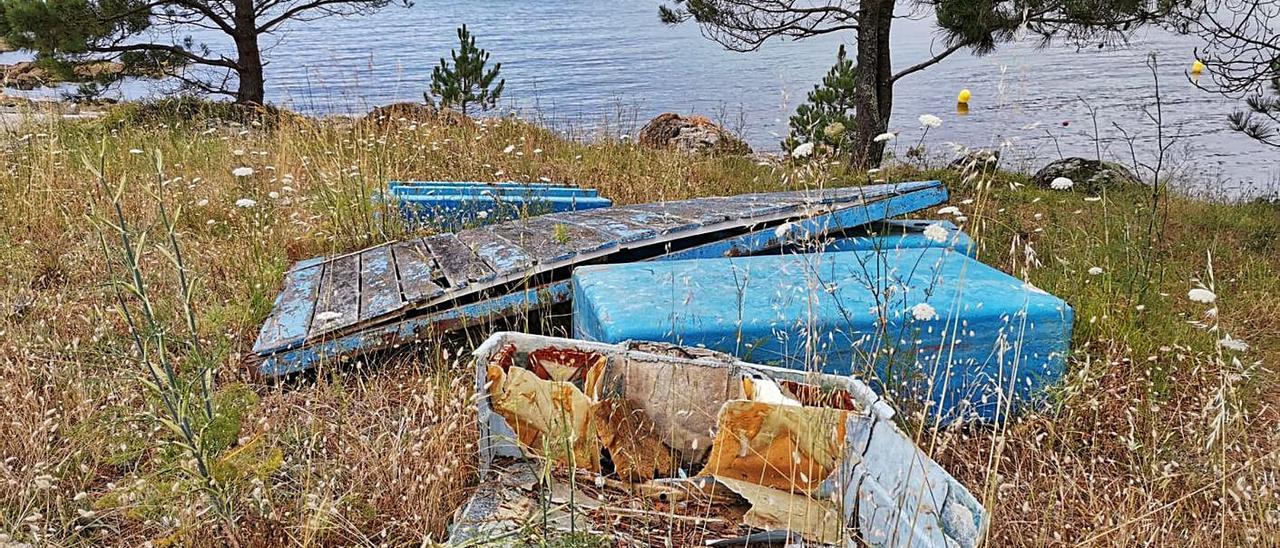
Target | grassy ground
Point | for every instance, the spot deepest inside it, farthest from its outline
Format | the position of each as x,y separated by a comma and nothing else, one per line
1159,436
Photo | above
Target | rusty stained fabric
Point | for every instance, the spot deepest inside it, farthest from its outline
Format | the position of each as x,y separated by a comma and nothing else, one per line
547,416
785,447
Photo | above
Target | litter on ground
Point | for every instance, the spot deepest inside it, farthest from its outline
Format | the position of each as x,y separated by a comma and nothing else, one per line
648,442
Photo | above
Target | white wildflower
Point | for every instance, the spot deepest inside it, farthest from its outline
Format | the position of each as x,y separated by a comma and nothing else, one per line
80,496
936,233
203,202
509,149
537,151
802,150
135,151
1093,199
949,210
1095,271
242,171
782,230
930,121
924,312
1233,344
1202,295
246,202
273,195
885,137
238,152
1062,183
86,514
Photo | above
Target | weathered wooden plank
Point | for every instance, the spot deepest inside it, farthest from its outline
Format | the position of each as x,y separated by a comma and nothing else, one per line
550,240
379,289
458,263
697,211
289,319
497,252
417,270
662,222
611,221
338,301
742,207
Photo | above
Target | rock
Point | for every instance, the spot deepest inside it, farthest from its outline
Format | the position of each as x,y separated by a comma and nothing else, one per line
395,112
690,135
1087,174
26,75
96,69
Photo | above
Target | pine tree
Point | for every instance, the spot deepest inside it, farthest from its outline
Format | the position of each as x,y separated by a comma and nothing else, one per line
827,113
467,82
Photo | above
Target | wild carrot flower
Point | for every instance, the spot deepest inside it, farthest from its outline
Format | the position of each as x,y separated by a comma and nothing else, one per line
135,151
203,202
924,312
509,149
242,171
802,150
246,202
885,137
1202,295
949,210
1095,271
936,233
1062,183
1233,344
930,121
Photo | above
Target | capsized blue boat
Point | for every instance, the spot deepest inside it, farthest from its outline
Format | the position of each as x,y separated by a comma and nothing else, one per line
339,307
453,205
923,325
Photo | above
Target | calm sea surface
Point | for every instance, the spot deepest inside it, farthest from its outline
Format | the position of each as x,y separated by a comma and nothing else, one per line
584,63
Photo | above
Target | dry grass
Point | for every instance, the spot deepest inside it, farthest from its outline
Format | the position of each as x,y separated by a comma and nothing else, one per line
1140,449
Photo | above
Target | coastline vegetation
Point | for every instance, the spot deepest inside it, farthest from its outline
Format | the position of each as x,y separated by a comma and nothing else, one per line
1165,432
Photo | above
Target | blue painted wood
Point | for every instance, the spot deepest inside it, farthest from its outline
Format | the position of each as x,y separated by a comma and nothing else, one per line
662,221
417,270
898,234
610,221
548,240
338,300
698,211
458,263
287,324
994,336
498,253
883,206
379,288
467,260
409,191
295,360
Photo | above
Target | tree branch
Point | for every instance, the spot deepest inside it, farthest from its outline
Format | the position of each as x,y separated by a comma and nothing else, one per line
928,63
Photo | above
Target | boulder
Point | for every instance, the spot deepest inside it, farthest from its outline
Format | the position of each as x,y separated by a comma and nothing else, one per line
1086,174
412,112
26,75
690,135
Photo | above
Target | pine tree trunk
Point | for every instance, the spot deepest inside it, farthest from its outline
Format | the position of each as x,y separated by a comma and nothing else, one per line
874,82
251,89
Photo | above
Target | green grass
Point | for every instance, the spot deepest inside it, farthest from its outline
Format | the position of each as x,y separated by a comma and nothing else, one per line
1157,437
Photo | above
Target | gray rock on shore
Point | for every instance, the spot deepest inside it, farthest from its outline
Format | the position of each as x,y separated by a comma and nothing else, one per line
1087,174
690,135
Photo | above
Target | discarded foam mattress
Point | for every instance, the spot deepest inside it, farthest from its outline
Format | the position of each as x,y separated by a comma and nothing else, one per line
927,326
335,308
650,443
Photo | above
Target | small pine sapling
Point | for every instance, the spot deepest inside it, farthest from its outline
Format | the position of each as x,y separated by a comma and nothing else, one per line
466,82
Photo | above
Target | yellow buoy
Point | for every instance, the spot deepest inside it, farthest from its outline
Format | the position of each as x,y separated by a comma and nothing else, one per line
964,96
1197,67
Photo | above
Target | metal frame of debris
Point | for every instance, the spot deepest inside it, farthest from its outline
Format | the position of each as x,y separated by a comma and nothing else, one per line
652,443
